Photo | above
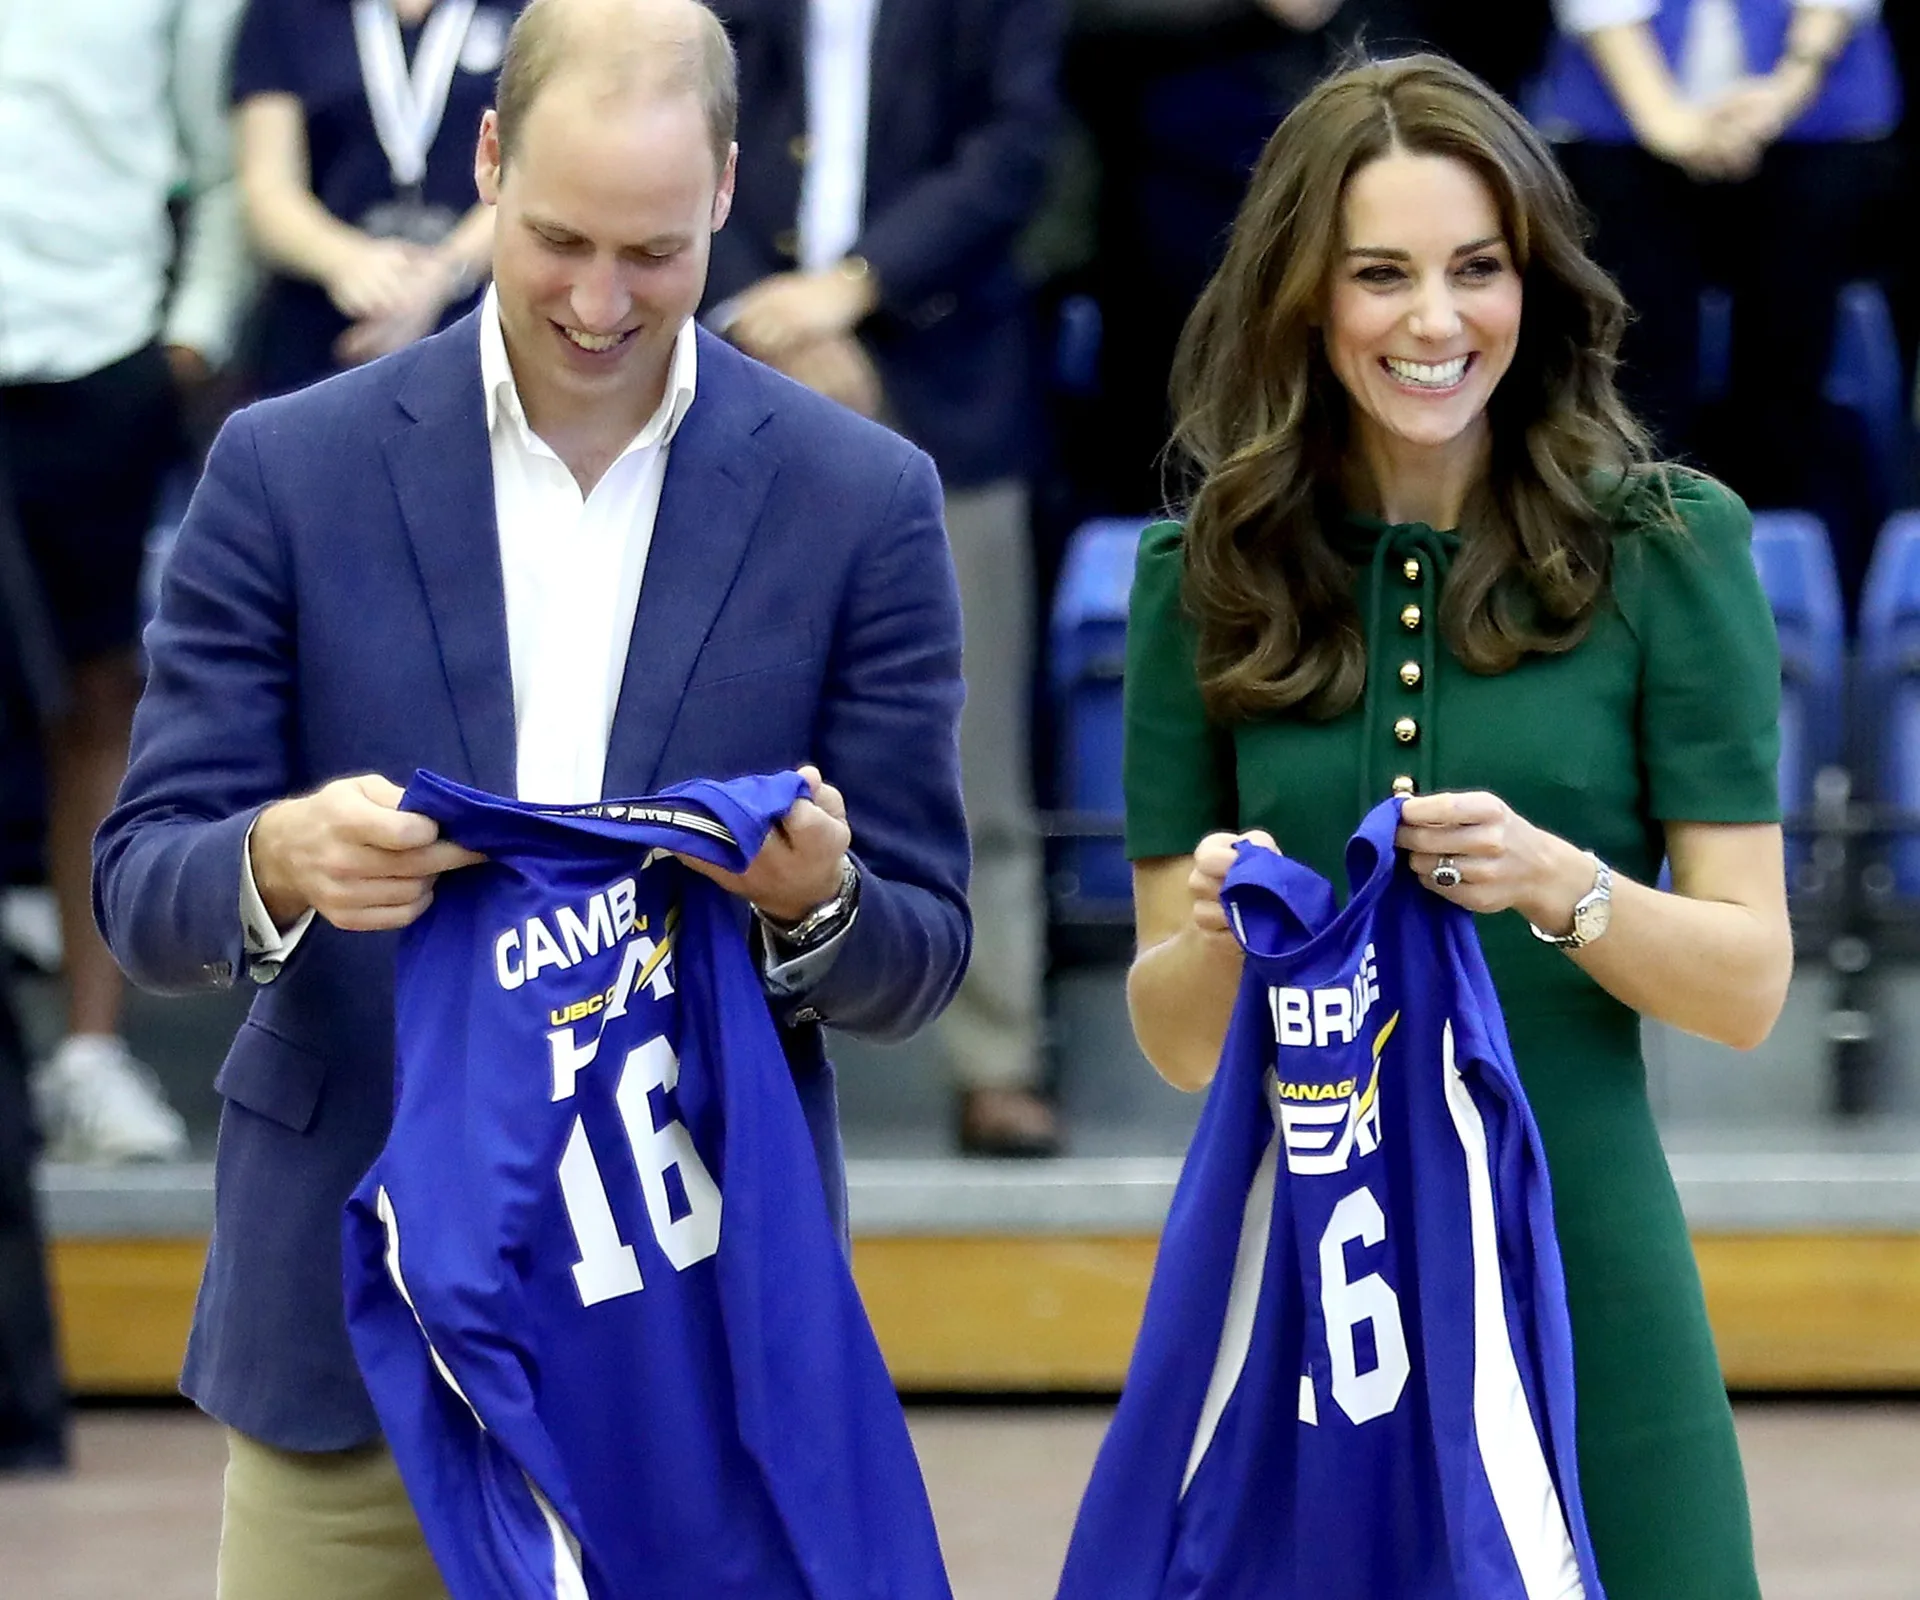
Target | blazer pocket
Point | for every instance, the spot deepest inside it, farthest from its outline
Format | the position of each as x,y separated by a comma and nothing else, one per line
272,1077
785,647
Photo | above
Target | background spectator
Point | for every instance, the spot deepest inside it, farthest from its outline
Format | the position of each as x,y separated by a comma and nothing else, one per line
889,157
1736,143
32,1408
1179,97
355,129
104,104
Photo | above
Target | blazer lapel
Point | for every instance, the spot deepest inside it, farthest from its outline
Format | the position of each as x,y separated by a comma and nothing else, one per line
442,470
718,474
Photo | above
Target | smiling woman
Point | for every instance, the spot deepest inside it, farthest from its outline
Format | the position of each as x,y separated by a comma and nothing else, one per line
1426,554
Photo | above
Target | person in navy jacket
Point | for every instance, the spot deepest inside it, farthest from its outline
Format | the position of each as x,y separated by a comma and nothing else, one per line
890,153
1737,143
572,546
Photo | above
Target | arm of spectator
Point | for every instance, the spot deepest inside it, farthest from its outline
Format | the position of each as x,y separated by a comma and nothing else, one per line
1764,107
363,276
1630,60
457,266
215,277
958,221
1302,15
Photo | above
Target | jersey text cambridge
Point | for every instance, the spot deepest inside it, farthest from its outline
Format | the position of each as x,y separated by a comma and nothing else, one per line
1354,1377
592,1280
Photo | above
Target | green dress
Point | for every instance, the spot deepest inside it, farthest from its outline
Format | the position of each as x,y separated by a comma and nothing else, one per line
1666,712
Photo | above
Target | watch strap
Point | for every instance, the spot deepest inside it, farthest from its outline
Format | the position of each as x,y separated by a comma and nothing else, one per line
1574,939
831,916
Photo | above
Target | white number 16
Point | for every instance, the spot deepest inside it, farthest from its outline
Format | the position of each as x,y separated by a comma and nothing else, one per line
661,1146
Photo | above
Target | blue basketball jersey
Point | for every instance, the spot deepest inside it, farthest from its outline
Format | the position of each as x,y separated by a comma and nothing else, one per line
592,1280
1354,1377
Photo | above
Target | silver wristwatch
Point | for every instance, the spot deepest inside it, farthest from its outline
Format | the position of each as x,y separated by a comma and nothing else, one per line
824,920
1591,913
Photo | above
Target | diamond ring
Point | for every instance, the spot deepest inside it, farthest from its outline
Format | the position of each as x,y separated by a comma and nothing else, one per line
1445,874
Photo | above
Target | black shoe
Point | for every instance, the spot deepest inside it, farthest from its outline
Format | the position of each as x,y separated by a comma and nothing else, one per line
1007,1122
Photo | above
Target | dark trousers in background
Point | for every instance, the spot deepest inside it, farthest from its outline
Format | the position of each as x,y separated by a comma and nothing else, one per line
1782,243
32,1405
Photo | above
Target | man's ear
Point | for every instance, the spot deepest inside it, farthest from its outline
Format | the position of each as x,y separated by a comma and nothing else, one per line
486,158
723,191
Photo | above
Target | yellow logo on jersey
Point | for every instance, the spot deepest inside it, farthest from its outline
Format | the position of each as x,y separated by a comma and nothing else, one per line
1321,1123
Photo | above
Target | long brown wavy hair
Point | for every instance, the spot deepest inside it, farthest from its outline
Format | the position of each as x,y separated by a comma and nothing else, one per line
1262,421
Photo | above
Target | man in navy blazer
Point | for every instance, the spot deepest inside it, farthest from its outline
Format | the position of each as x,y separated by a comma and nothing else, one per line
337,613
891,153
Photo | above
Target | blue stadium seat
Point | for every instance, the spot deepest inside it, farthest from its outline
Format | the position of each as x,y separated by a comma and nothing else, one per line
1795,562
1086,659
1078,330
1863,375
1889,677
1865,379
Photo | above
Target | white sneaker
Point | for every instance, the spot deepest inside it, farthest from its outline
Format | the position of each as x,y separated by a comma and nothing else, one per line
30,927
97,1103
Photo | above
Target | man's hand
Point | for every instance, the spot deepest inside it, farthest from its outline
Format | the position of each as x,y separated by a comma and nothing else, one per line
838,368
350,854
191,370
798,866
780,314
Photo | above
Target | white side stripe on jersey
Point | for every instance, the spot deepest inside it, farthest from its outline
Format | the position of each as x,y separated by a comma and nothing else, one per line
1243,1299
1517,1473
569,1578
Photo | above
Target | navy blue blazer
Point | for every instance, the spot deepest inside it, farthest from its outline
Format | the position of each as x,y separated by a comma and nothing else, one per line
959,130
334,605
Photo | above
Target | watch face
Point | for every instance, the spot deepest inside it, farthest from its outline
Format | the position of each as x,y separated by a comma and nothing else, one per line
1590,919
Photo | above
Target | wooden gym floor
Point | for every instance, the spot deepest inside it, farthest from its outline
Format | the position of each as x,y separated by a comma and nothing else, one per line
1834,1484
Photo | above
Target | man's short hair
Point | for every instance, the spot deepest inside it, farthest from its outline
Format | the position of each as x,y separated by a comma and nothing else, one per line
548,39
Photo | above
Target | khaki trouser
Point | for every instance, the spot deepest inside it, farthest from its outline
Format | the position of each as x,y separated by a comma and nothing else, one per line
991,1032
333,1526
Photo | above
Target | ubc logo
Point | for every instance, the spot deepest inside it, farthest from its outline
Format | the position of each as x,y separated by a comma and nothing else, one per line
1321,1123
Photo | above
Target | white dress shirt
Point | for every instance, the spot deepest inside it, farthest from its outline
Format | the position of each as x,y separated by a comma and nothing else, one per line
106,106
833,187
571,566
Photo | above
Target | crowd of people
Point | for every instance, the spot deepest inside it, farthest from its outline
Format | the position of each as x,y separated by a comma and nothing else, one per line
220,200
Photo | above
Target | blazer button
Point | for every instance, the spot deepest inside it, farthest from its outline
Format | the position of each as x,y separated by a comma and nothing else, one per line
1410,570
799,148
787,242
1410,674
1402,787
1406,730
1410,618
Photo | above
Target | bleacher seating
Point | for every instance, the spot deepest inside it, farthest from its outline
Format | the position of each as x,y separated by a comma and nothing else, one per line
1795,562
1086,658
1865,379
1889,681
1863,375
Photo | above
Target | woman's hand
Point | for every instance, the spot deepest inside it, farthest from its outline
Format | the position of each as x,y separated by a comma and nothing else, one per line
1505,862
1212,859
1181,985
